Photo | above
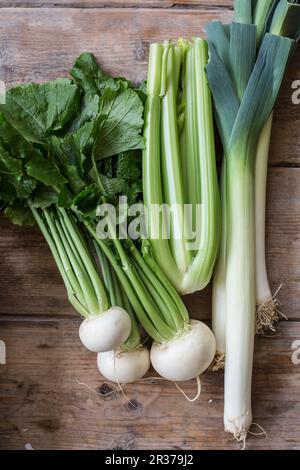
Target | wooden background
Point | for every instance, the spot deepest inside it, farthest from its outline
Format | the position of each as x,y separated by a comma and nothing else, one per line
41,401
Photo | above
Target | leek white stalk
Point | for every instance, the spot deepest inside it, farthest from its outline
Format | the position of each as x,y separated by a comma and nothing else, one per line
266,305
219,286
240,294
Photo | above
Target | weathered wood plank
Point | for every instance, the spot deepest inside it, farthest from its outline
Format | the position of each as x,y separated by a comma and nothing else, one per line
42,403
117,3
31,284
120,40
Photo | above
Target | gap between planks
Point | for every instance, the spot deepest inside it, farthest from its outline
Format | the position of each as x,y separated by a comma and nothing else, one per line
120,5
52,318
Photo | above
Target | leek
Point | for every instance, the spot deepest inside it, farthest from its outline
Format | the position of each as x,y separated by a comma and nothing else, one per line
240,137
285,22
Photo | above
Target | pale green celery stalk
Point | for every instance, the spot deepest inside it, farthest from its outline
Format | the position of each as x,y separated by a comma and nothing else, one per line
188,170
152,186
243,11
201,125
254,111
190,158
170,158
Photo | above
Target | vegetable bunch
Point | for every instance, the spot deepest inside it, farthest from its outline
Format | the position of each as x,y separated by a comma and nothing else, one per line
247,62
179,164
76,145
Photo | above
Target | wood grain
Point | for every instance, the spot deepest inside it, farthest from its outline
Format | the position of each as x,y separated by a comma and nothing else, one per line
118,3
41,402
120,39
33,287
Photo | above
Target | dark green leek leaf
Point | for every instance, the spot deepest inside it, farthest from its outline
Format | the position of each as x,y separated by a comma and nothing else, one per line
217,37
243,11
226,102
262,90
242,54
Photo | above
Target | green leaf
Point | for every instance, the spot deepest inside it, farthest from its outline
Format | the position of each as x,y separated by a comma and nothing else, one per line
12,183
68,153
112,186
44,197
37,111
20,214
65,198
129,165
15,143
86,202
133,191
89,109
25,187
121,130
45,171
90,77
10,166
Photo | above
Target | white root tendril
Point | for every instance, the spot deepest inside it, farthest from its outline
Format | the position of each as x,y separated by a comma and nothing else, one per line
261,433
120,386
268,313
241,436
93,390
191,400
218,362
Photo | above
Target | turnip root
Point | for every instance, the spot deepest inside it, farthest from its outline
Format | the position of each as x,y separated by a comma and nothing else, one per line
124,366
186,356
107,331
